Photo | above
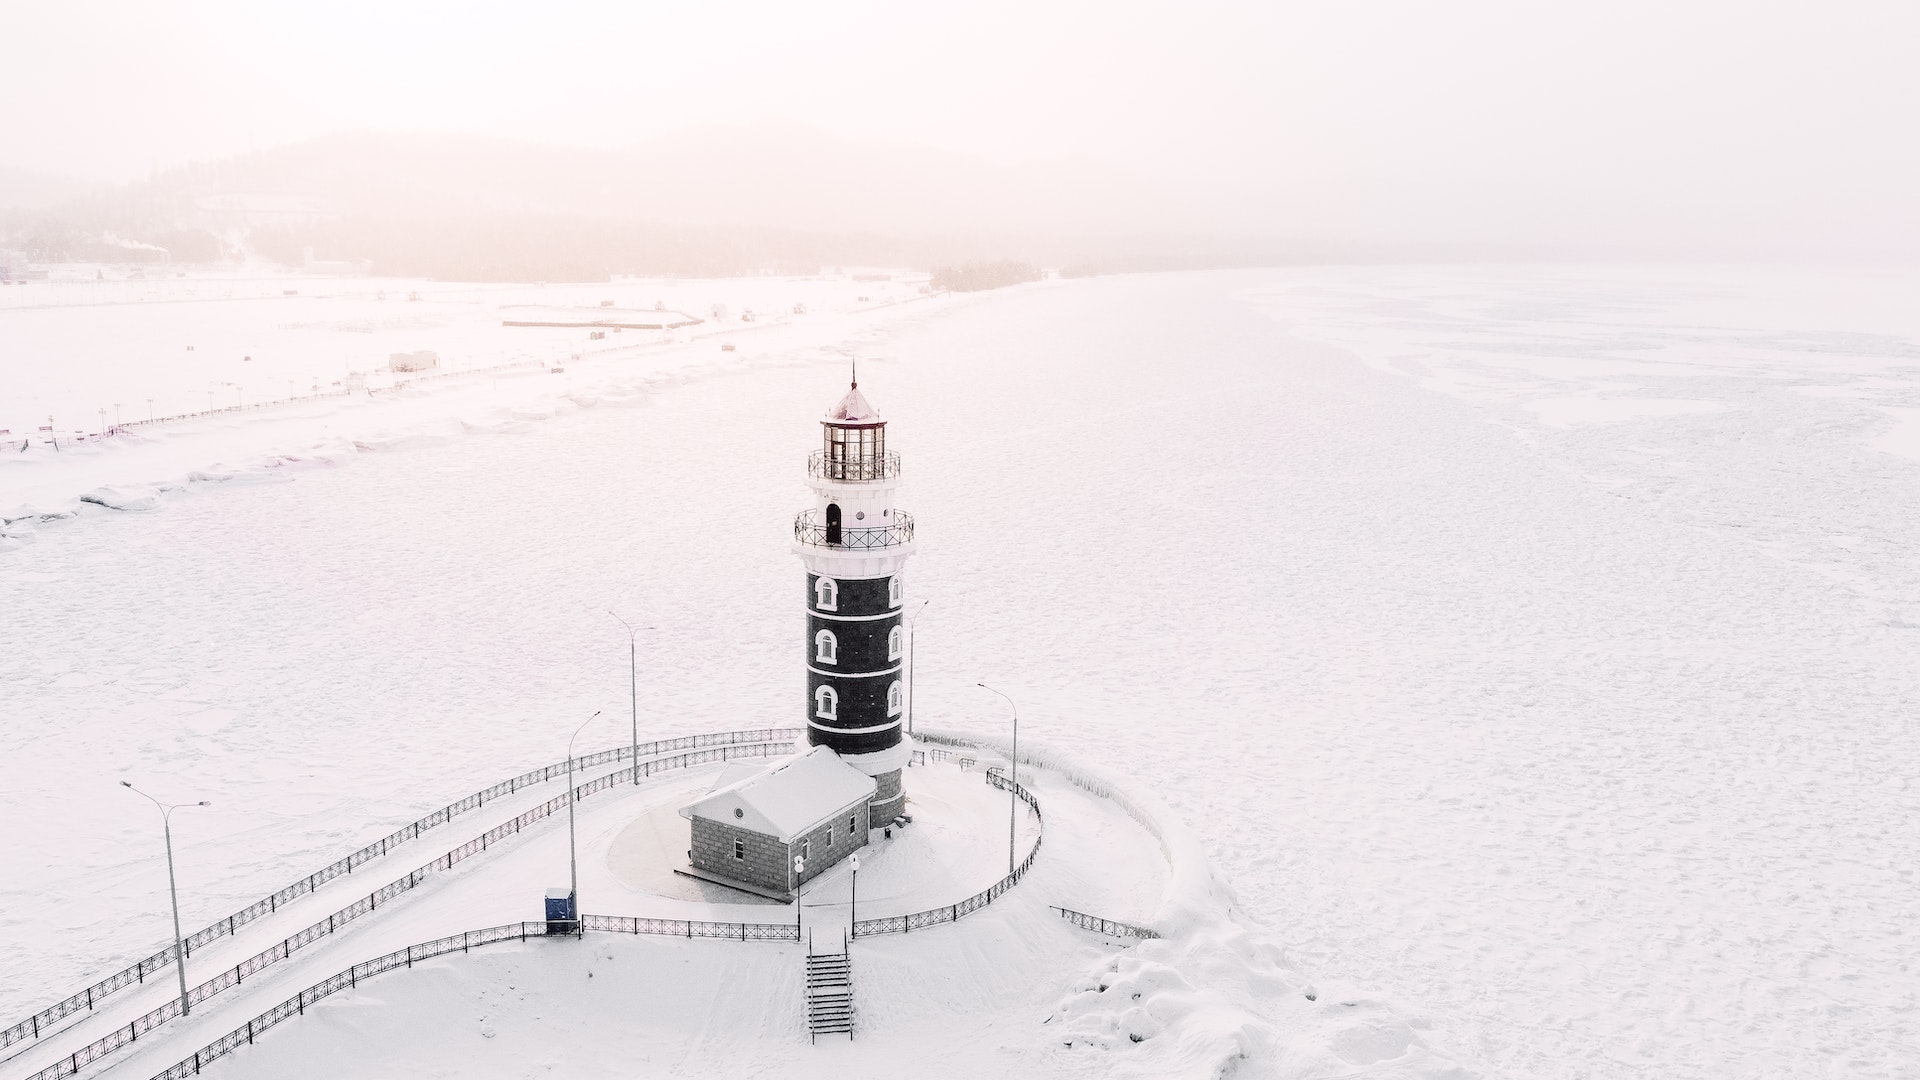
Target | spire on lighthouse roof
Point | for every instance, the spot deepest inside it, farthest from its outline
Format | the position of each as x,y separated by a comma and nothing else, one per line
853,408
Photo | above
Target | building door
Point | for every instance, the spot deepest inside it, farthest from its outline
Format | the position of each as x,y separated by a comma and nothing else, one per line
833,523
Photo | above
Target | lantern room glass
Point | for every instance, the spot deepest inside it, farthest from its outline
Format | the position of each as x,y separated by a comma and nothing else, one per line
854,453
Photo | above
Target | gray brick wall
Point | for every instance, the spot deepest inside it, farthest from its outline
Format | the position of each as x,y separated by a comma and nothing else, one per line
768,862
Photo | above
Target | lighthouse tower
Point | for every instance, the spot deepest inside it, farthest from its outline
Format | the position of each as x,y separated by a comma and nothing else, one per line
854,543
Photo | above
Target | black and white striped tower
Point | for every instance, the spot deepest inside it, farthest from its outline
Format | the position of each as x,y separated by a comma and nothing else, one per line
854,543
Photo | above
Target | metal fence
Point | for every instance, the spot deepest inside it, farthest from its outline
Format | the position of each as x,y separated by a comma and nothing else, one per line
1109,927
621,924
809,529
345,980
902,924
720,746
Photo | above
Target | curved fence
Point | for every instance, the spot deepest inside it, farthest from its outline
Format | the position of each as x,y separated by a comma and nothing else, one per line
1109,927
237,974
350,978
345,980
901,924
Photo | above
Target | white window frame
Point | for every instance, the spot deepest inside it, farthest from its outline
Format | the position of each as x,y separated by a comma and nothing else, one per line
896,643
806,849
895,698
739,849
894,591
826,648
826,594
826,703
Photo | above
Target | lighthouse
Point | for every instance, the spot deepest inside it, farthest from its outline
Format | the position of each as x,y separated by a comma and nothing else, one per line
854,543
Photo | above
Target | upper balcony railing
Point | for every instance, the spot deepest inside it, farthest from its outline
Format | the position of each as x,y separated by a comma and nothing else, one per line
822,467
808,528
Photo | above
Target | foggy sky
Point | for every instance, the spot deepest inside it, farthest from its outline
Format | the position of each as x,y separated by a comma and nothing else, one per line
1688,129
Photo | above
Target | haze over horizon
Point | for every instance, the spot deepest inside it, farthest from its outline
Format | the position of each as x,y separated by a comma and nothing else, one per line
1701,130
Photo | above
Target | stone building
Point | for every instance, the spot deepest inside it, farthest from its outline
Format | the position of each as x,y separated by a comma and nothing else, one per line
745,834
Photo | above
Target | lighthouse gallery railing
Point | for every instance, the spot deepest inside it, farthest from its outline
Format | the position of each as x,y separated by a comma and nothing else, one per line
809,529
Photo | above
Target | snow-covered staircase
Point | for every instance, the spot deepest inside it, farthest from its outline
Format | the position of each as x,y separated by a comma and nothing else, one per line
829,994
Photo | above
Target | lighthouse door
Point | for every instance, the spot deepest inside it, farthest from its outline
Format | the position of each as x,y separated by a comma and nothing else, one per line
833,523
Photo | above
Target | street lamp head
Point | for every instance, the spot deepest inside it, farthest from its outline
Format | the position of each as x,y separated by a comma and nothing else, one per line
203,802
126,783
854,862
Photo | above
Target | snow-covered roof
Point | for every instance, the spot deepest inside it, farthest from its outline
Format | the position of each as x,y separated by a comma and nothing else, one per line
788,799
853,408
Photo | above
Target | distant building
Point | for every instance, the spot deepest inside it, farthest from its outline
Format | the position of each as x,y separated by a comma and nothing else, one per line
747,833
423,360
13,266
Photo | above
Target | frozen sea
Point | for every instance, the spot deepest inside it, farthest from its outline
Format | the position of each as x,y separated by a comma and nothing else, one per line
1537,647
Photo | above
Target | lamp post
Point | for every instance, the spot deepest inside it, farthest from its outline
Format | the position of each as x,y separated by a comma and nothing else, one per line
633,660
166,826
1013,789
573,850
799,865
853,907
911,650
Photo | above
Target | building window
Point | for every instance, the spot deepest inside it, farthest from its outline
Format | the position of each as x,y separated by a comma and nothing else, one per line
739,849
826,647
893,698
893,643
851,831
894,592
826,594
806,849
826,703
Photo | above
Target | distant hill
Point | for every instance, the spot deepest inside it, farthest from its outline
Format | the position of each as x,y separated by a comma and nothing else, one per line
711,200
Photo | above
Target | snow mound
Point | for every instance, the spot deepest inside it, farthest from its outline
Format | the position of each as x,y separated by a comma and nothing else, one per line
1224,1003
114,499
1214,996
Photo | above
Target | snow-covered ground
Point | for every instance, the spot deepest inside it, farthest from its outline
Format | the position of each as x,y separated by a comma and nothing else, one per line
1533,648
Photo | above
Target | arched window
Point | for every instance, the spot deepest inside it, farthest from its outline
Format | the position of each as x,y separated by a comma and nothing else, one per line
893,643
826,594
826,703
893,698
826,648
894,592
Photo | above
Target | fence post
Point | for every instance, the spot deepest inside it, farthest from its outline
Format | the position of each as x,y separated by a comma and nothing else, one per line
89,999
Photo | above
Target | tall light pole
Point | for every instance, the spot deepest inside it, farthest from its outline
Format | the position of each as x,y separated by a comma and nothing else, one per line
573,851
799,867
1013,796
633,659
911,650
853,907
166,827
